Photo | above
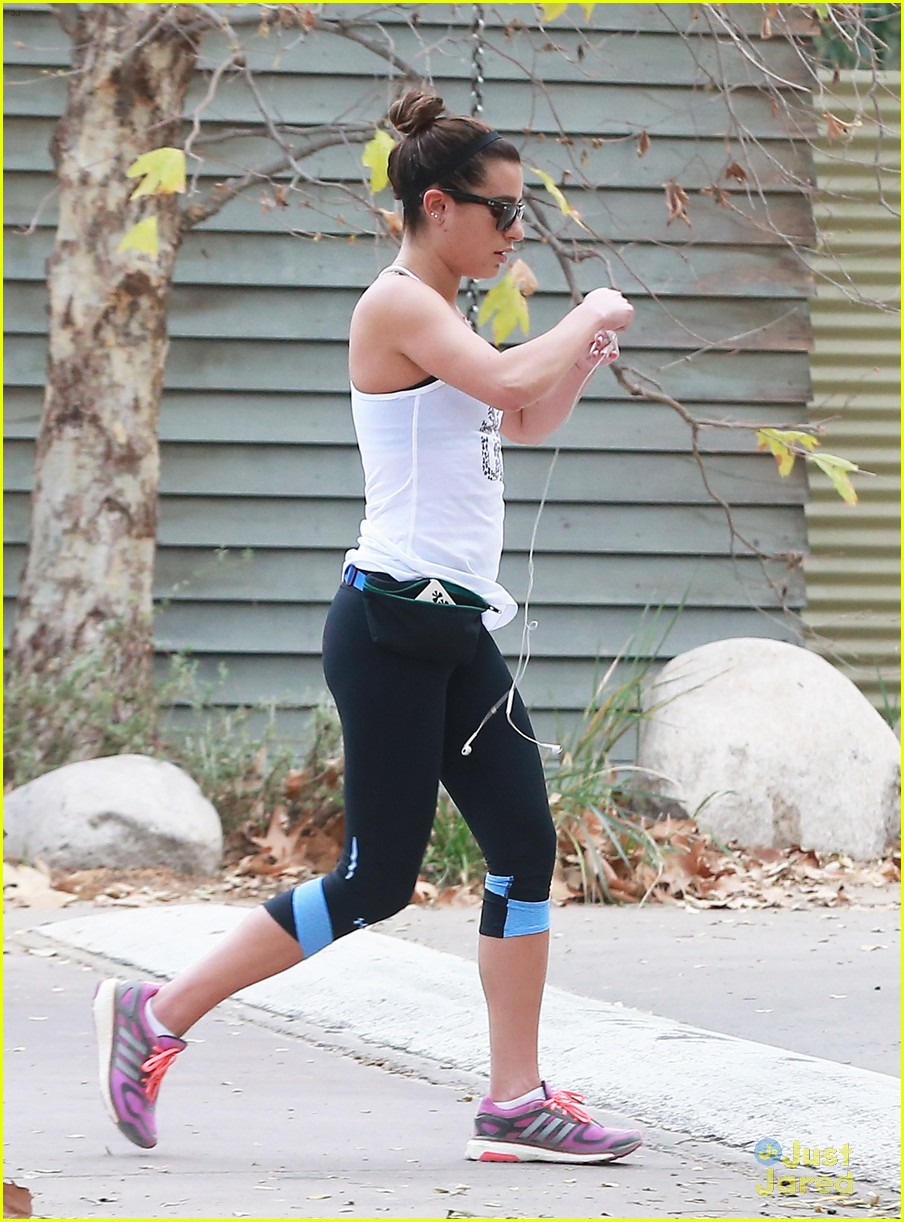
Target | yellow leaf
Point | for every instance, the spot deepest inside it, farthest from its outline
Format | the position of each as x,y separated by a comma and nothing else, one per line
376,156
838,470
790,437
558,196
507,307
552,11
781,444
163,171
142,237
770,439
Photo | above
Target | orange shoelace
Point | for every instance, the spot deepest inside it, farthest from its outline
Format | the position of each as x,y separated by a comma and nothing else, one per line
569,1102
155,1067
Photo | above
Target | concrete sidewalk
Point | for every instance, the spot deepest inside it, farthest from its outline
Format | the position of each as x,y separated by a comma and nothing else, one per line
347,1088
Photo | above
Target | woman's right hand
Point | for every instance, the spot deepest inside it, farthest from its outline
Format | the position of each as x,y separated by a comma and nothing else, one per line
613,312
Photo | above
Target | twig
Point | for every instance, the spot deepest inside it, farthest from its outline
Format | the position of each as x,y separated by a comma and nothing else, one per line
225,191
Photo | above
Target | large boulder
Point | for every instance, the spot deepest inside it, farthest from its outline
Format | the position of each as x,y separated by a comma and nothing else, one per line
766,743
120,811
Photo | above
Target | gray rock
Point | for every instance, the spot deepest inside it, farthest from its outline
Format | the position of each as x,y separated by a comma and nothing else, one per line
120,811
766,743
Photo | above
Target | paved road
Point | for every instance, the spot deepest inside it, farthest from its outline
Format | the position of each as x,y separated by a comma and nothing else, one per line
339,1095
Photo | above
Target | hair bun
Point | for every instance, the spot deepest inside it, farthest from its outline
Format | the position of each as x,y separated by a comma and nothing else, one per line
415,112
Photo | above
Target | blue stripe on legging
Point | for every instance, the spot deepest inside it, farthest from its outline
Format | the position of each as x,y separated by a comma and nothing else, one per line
523,917
498,883
313,926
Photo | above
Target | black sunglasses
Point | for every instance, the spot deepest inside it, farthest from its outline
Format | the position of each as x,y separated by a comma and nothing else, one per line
505,211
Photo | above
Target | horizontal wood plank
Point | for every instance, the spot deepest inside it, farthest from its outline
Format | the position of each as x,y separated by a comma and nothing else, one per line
296,575
237,523
612,110
279,260
723,378
242,313
561,632
597,423
557,53
268,471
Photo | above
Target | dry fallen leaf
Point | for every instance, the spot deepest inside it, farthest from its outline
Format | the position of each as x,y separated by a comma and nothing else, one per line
16,1201
676,202
766,24
837,129
524,279
29,887
392,220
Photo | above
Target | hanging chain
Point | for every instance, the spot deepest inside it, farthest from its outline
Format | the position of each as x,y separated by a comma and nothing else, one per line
478,22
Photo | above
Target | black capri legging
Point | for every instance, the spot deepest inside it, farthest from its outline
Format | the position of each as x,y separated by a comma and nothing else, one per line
404,723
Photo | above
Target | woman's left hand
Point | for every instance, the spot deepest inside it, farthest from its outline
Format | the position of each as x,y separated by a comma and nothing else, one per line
603,350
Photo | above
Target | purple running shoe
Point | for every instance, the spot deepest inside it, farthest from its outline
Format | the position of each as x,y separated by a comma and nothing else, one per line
133,1059
556,1129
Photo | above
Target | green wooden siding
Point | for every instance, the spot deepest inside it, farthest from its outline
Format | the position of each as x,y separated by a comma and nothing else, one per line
257,446
853,571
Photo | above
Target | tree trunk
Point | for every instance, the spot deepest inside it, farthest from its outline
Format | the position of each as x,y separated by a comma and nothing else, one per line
94,505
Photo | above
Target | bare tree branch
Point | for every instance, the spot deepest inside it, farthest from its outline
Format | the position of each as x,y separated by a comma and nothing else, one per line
67,16
221,194
352,31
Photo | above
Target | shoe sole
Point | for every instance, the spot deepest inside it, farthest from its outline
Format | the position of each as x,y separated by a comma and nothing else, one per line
483,1151
104,1009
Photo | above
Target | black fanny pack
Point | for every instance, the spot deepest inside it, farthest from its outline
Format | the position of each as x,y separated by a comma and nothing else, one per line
427,627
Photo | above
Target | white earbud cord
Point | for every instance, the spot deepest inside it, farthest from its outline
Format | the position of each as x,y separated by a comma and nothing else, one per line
528,626
605,349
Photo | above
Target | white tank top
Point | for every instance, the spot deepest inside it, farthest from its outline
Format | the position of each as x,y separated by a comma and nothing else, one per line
433,489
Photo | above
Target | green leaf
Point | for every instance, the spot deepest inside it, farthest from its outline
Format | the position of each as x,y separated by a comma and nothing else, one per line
506,305
558,196
163,171
838,470
376,157
142,237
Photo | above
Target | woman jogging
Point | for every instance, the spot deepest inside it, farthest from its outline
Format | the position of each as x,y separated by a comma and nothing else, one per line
423,693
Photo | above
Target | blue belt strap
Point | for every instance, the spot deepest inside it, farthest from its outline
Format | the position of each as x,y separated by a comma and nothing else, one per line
354,577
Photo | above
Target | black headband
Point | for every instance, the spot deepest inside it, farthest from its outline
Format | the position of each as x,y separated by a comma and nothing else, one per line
451,164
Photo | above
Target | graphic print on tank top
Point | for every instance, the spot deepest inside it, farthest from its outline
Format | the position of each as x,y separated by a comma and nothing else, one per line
491,444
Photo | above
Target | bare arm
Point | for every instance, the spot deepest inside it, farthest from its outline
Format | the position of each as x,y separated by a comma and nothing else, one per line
534,422
408,318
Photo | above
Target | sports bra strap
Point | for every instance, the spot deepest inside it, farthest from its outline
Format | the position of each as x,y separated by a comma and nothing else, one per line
402,271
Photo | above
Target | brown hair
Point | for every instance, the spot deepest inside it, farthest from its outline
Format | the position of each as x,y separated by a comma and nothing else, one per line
434,150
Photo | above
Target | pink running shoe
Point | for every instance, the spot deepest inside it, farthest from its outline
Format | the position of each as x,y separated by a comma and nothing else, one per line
556,1129
133,1059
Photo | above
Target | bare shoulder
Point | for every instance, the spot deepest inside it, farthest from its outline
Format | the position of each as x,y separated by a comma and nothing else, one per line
386,324
395,296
